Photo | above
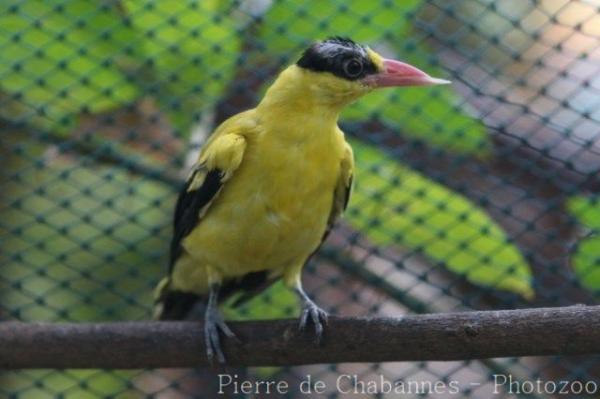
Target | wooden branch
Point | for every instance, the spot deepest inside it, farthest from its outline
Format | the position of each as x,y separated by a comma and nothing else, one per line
571,330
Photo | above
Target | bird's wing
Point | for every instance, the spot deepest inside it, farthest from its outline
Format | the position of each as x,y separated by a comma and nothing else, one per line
343,189
219,159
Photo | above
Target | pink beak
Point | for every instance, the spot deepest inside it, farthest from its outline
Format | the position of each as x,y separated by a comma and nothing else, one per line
398,73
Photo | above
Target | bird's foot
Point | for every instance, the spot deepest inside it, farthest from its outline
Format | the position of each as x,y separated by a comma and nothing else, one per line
213,323
310,311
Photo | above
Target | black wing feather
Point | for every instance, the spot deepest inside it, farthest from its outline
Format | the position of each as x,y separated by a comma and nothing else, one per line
333,216
187,210
347,193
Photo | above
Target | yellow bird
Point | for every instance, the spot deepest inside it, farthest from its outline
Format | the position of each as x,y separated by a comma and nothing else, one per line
269,185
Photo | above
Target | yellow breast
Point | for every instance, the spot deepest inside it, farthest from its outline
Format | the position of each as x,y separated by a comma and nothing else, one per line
273,212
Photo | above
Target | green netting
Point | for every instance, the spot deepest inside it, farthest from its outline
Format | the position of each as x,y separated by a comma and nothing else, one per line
482,195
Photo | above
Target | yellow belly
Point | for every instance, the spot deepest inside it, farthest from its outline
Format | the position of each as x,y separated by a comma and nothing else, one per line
271,215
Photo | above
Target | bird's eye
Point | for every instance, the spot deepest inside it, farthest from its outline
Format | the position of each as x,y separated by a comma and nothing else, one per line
353,68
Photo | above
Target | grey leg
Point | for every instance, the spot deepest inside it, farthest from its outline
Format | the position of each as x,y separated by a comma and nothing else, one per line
213,322
310,311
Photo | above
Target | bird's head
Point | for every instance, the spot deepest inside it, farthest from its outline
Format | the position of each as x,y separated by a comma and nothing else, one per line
337,71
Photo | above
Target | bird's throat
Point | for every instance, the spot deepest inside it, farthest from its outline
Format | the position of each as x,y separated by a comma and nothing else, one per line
296,92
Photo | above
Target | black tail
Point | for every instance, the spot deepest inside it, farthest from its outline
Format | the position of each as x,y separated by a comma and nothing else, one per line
176,305
173,305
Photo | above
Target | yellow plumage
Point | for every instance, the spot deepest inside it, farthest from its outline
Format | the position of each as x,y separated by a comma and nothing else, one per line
282,163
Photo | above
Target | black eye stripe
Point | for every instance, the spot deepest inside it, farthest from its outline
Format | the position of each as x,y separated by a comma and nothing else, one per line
334,56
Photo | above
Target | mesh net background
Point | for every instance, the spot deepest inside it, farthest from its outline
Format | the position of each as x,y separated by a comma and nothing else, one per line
479,195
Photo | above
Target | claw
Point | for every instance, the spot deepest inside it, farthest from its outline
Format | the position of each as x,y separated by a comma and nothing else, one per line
318,317
227,331
213,323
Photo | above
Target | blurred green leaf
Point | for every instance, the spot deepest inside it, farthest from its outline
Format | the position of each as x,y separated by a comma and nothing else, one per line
395,205
60,59
428,114
192,49
586,210
586,263
435,115
586,257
